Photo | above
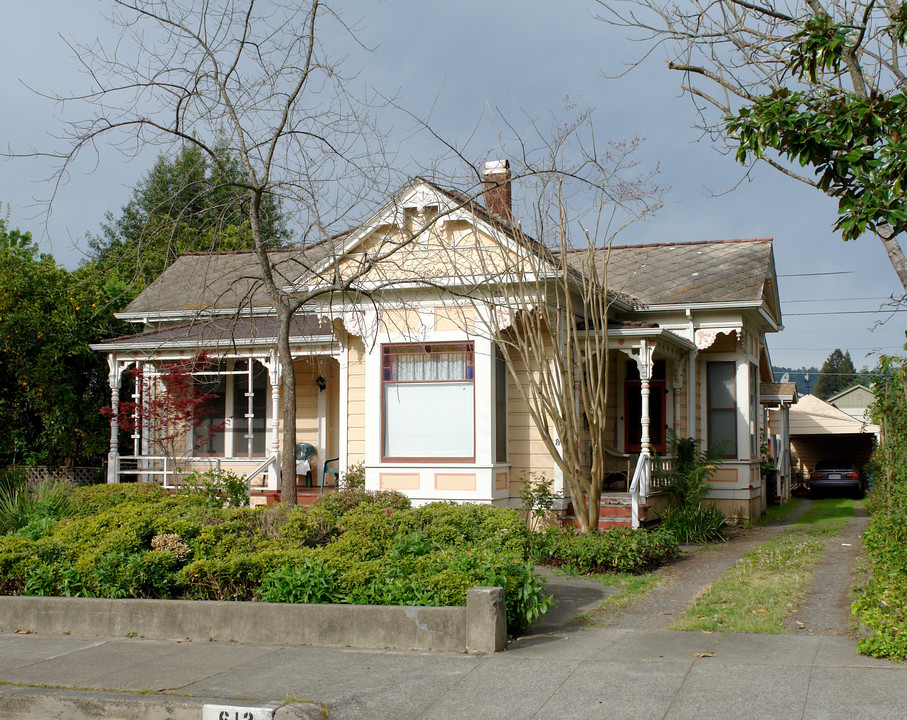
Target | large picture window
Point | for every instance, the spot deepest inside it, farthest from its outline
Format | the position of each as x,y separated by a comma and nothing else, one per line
722,406
429,402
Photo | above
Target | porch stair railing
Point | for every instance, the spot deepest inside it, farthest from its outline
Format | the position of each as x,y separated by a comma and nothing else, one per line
268,468
639,485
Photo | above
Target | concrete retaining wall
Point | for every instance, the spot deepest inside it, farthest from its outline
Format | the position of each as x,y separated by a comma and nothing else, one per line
480,627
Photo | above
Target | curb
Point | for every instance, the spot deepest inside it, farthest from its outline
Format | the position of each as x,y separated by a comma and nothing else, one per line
34,703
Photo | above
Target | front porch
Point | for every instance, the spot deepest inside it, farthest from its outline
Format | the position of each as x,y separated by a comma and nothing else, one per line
180,411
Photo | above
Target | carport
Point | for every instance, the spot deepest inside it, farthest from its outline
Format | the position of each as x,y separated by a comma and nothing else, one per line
819,430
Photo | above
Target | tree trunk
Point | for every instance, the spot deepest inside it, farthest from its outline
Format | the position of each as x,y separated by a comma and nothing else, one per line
288,405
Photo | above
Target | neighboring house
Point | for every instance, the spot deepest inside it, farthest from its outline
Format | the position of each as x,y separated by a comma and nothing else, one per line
819,430
855,401
402,373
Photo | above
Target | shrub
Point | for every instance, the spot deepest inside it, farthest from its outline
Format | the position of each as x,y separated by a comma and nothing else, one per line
219,488
336,504
311,581
92,499
690,471
618,549
138,541
699,524
468,525
354,478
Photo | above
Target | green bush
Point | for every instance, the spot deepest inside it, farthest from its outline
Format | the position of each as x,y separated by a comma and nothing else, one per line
882,603
371,548
694,524
311,581
337,504
354,478
219,488
615,550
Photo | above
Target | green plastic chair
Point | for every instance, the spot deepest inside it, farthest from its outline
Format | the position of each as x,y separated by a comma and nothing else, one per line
305,451
328,469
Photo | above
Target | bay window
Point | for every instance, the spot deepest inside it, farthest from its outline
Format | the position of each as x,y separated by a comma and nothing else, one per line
428,402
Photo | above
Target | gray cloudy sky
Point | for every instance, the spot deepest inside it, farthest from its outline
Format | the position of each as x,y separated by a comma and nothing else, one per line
471,59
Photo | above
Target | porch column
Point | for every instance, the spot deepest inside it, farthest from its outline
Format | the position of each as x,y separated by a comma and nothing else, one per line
137,414
644,362
676,388
273,367
784,451
113,456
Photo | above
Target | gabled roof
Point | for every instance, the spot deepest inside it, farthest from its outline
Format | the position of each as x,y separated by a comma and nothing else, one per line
725,271
813,416
849,391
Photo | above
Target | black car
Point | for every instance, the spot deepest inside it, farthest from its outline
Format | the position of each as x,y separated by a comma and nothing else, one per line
837,475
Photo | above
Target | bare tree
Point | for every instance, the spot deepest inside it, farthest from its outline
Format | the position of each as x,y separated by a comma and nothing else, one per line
819,81
543,293
250,81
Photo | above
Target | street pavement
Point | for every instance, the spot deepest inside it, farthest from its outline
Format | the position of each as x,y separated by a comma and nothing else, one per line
566,673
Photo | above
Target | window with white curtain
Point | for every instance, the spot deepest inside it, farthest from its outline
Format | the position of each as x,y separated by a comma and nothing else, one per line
429,402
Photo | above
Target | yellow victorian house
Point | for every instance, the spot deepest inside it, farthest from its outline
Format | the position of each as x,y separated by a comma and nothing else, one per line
404,373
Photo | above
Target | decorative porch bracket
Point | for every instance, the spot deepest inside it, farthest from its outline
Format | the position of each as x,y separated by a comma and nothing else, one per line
643,357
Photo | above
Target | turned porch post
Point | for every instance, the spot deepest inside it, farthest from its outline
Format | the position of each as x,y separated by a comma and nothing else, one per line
113,456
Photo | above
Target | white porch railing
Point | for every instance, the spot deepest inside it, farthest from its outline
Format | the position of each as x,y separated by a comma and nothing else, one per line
171,472
661,473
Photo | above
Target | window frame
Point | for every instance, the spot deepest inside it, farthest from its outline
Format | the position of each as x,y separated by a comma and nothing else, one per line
733,451
387,352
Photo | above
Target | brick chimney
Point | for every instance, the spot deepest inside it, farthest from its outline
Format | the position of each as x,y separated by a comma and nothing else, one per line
497,189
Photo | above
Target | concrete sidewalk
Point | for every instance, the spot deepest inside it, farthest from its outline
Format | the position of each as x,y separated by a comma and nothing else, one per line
586,673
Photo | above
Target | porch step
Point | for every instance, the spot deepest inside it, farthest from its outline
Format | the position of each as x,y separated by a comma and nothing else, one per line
303,496
615,511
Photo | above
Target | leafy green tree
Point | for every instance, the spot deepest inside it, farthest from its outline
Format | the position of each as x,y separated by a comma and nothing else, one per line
819,82
51,383
837,374
185,203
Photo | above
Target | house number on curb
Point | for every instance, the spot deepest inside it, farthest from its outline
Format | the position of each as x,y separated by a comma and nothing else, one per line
236,712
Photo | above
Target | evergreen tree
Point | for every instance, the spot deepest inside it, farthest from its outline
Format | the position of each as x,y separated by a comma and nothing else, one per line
837,374
184,204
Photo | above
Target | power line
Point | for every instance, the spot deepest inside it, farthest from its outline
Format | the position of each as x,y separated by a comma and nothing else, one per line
814,274
835,299
848,312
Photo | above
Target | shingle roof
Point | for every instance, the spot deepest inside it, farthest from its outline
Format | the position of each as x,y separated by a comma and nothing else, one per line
777,389
224,280
696,272
241,330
